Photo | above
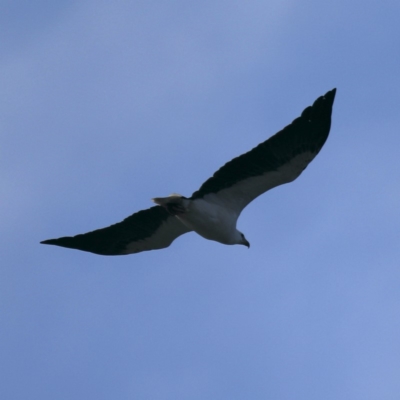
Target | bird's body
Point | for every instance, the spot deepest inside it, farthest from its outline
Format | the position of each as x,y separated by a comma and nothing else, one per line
213,210
210,220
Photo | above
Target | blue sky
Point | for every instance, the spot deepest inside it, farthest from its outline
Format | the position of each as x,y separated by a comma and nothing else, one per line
108,104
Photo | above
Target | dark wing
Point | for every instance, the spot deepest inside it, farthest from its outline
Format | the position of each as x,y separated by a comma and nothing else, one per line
149,229
278,160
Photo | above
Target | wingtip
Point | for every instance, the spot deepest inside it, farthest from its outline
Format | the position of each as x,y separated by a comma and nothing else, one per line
331,94
327,99
49,241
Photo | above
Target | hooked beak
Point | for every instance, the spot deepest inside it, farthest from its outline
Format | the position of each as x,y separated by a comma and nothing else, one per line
246,243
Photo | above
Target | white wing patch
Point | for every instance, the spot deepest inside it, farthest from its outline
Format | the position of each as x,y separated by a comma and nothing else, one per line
161,238
238,196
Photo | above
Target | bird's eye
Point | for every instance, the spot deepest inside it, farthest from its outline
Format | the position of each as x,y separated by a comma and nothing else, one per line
242,236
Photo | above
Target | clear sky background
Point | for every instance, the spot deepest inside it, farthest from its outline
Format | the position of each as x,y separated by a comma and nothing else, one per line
105,105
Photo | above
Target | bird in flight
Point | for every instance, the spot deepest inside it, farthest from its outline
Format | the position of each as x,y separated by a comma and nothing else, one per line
213,210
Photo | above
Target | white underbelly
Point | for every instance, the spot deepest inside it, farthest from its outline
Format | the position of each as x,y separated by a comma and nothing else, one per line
210,221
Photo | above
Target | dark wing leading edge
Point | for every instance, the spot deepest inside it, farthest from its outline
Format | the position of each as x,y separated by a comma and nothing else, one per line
149,229
278,160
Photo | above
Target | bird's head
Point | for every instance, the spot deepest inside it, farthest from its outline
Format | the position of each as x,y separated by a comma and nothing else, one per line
243,240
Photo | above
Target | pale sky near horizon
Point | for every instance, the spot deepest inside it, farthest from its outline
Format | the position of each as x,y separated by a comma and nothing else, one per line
105,105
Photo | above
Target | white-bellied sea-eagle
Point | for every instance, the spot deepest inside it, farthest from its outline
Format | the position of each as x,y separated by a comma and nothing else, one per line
213,210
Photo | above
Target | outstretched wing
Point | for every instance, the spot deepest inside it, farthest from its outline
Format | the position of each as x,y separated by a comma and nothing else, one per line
149,229
278,160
